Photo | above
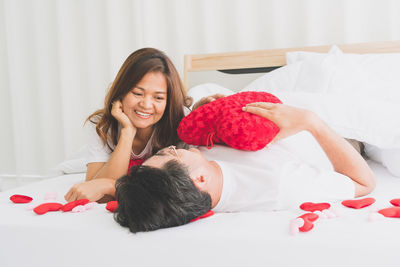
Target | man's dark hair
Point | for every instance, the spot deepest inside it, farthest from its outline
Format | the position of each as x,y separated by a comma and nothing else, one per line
153,198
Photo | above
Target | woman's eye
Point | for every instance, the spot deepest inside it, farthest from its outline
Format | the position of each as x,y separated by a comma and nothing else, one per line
138,94
159,98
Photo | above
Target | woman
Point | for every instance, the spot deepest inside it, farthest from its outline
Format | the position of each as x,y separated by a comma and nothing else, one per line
141,113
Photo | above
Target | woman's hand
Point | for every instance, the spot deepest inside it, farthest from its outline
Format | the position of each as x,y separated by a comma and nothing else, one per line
92,190
206,100
118,113
290,120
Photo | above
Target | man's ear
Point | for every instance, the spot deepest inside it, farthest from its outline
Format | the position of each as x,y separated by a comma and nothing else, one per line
200,182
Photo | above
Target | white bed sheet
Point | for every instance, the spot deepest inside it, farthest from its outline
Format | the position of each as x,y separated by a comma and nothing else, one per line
93,238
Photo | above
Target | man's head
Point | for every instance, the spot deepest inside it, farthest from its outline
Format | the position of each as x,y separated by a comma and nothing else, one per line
169,189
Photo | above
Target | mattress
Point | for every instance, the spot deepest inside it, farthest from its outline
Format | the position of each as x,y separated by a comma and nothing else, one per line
93,238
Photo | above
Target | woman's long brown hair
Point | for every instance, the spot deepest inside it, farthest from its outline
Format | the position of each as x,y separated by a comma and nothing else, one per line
132,71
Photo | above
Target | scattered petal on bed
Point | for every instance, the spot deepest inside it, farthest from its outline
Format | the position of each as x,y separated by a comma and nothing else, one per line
46,207
20,199
358,203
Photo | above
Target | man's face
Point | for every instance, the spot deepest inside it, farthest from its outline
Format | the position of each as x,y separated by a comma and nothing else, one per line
201,170
192,158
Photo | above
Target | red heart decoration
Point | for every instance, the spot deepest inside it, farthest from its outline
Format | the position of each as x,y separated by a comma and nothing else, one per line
308,218
310,206
112,205
205,215
224,122
69,206
395,202
393,212
46,207
358,203
20,199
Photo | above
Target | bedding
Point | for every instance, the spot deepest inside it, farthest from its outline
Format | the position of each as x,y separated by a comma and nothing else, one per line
206,89
375,75
93,238
282,79
390,158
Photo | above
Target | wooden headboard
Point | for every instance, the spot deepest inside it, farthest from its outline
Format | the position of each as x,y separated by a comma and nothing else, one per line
272,57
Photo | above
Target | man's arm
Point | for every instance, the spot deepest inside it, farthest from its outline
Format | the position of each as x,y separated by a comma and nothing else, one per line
342,155
344,158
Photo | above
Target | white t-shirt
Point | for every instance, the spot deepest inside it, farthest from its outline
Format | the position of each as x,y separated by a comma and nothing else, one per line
277,177
98,152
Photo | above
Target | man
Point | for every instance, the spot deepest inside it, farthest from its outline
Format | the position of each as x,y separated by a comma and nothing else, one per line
175,186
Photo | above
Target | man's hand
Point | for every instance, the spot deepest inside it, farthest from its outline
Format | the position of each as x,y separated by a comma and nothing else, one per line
206,100
92,190
290,120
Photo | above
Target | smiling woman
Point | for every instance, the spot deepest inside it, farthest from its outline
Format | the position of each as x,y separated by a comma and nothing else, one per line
141,113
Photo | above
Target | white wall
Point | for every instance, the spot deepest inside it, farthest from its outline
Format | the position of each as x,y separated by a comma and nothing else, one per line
57,57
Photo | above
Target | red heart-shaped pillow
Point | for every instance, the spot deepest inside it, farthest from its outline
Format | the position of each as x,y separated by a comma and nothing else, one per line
223,121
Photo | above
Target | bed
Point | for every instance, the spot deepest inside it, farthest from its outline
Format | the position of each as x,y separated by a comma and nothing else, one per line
93,238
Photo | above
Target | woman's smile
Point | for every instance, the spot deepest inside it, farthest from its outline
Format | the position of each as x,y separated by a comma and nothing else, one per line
143,115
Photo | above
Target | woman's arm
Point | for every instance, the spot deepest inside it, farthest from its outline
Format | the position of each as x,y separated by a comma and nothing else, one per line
96,188
118,163
342,155
93,190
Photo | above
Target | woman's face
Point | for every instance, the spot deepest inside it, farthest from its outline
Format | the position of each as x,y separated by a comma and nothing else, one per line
145,103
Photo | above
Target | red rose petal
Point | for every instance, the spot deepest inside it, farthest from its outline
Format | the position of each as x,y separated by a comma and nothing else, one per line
20,199
310,206
308,218
46,207
395,202
205,215
393,212
112,206
69,206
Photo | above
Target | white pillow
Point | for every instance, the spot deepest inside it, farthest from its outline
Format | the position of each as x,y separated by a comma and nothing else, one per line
375,75
298,75
75,163
281,79
202,90
308,84
390,158
353,117
296,56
